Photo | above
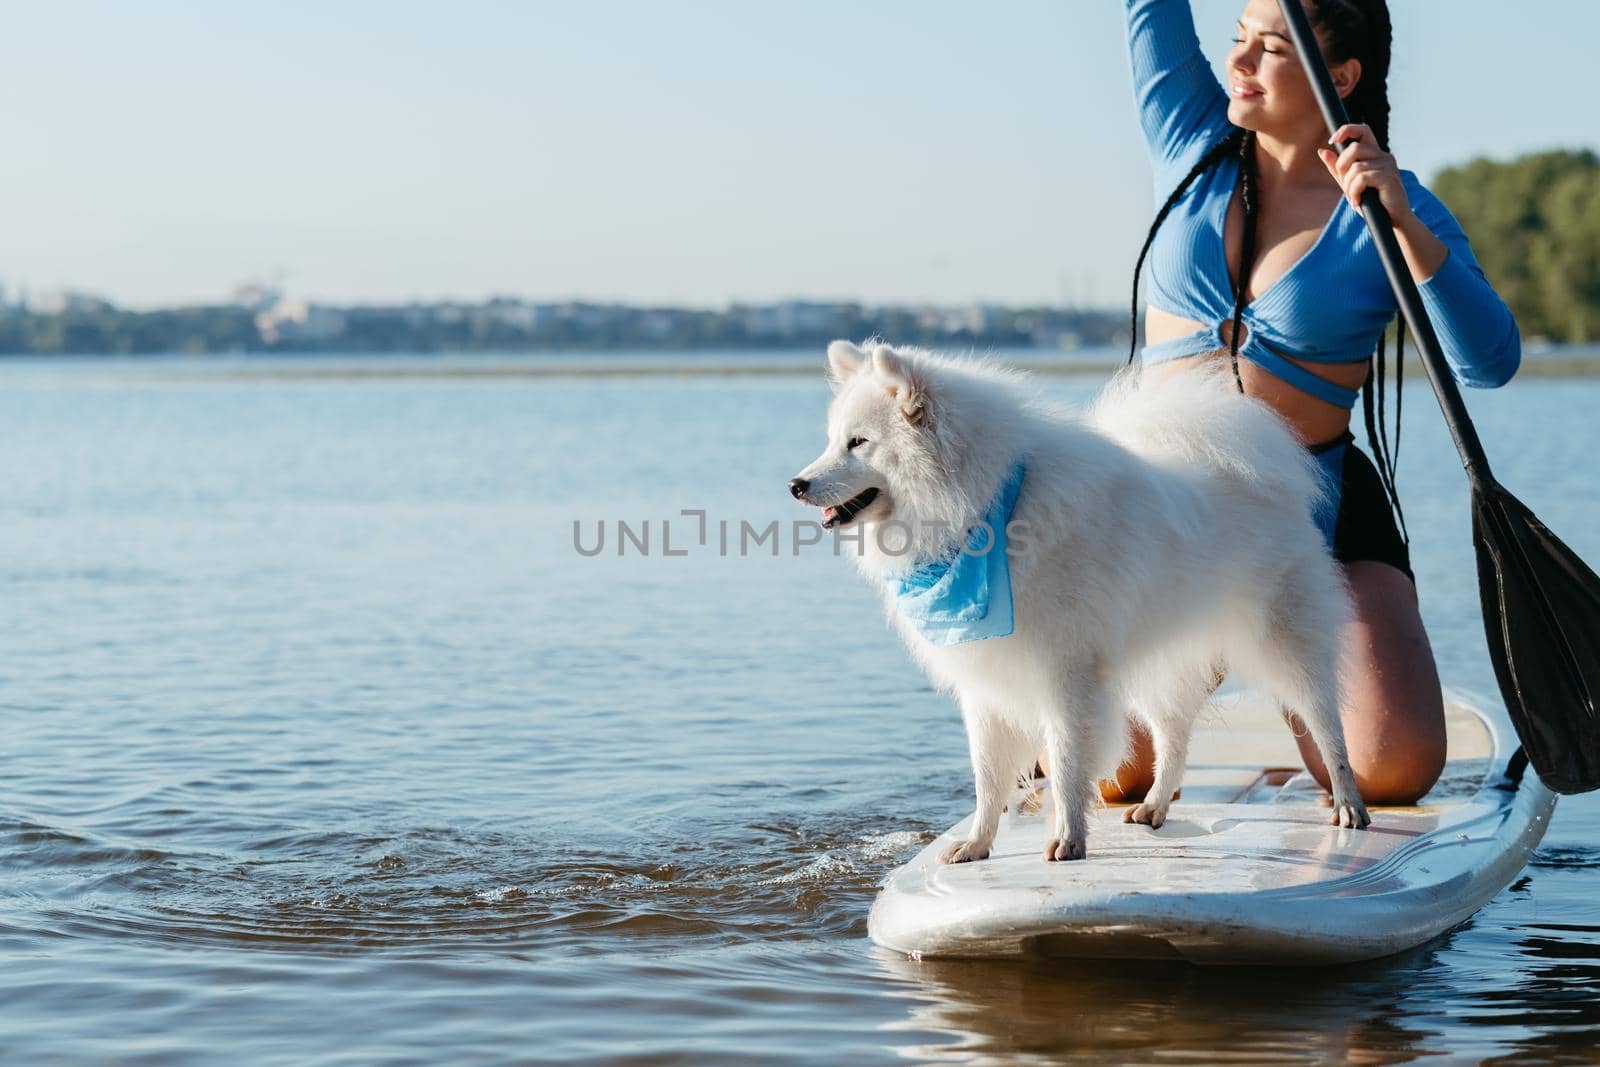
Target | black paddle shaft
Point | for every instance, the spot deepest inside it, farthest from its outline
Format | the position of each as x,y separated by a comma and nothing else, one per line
1394,261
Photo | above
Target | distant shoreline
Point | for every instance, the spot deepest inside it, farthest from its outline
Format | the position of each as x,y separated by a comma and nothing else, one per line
1546,367
1574,362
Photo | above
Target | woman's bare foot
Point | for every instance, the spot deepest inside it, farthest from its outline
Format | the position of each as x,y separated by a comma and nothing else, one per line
1134,778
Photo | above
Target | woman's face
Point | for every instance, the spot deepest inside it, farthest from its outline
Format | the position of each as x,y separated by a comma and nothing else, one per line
1268,92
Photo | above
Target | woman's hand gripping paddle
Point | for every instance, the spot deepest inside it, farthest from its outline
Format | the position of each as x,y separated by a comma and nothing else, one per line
1541,603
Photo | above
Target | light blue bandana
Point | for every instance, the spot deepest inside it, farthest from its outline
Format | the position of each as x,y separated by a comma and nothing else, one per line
965,596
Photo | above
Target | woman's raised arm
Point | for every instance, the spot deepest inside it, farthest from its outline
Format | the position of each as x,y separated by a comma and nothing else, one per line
1183,109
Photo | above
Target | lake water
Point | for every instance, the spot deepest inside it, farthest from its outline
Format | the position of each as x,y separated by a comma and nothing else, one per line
320,743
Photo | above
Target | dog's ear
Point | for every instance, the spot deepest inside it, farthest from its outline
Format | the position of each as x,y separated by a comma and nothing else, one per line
903,382
844,359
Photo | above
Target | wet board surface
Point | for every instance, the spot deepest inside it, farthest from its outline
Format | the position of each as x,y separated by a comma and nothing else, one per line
1246,869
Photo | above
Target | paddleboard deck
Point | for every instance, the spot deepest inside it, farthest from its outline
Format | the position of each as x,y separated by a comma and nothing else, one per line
1246,868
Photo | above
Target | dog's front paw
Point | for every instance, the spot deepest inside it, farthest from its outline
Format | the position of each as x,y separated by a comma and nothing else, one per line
1064,849
1152,815
964,852
1350,813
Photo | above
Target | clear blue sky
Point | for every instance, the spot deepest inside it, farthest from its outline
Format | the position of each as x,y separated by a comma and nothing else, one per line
691,153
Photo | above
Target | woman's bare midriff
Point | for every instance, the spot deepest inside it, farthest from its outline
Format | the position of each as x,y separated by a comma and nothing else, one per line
1312,420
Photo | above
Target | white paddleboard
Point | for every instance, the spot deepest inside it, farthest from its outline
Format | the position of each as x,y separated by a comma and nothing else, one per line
1246,868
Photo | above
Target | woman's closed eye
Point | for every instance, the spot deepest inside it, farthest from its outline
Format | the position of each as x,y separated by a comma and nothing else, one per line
1268,51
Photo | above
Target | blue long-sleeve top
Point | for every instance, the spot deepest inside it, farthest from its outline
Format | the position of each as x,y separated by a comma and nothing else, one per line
1332,304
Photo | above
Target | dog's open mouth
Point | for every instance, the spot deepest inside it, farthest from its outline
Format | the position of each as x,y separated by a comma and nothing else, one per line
840,514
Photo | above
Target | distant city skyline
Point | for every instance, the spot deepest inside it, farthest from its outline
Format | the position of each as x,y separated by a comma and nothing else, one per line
260,319
652,154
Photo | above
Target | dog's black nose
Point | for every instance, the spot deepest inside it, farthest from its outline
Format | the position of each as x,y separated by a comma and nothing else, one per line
798,487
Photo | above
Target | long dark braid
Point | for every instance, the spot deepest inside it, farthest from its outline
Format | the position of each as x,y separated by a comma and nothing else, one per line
1229,143
1250,199
1360,29
1239,142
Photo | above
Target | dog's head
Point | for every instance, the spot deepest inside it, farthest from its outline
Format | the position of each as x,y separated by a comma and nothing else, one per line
880,436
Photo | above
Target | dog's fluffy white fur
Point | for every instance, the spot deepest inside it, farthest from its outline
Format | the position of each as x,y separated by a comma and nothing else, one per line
1162,539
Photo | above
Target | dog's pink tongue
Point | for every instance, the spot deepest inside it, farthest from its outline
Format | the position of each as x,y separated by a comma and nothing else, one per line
829,514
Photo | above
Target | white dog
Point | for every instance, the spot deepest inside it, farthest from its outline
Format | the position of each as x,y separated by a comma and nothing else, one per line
1133,557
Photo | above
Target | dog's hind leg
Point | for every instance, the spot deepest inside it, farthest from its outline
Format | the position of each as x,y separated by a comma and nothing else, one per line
1319,710
1078,734
1169,714
999,754
1170,730
1304,678
1320,713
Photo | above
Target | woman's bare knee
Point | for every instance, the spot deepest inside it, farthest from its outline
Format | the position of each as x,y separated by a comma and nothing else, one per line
1395,764
1393,713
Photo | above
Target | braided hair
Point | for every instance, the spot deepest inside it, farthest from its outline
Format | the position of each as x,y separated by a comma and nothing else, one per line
1349,29
1240,143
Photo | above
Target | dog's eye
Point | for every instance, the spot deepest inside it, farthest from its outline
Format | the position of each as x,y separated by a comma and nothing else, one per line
850,445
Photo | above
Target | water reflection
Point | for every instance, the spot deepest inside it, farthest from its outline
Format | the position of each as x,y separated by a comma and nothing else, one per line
1059,1010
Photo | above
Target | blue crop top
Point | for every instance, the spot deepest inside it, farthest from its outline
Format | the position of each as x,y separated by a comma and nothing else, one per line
1333,303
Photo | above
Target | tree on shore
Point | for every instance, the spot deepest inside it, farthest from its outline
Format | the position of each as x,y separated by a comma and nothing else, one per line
1534,223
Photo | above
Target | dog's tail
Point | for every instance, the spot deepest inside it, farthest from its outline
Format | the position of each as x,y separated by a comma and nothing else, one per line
1200,417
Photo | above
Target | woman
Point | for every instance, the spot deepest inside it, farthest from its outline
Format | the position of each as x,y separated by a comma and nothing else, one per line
1260,257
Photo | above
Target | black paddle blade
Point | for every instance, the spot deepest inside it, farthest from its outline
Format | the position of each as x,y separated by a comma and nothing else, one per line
1541,608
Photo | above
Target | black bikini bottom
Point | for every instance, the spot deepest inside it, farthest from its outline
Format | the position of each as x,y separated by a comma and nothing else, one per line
1364,528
